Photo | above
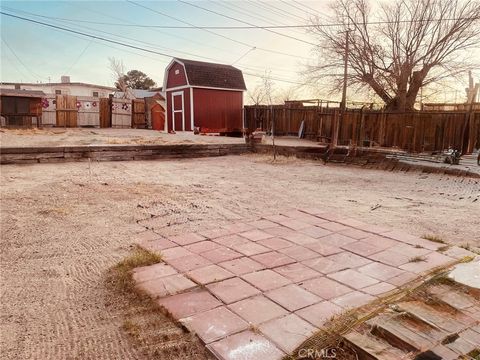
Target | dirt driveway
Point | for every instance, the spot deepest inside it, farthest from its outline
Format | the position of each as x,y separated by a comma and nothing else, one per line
64,225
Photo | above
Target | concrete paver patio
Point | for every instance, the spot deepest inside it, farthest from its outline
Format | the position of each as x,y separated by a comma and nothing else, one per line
257,290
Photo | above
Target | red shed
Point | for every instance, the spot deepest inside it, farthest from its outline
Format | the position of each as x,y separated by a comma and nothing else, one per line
205,95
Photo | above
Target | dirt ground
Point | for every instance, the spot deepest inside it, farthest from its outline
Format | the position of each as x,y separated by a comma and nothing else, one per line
93,136
64,225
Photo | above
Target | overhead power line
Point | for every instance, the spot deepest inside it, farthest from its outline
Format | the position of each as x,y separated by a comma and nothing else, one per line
228,27
247,23
21,62
123,44
216,33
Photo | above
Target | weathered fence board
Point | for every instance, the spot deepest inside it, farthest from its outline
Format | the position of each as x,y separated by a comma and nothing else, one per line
411,131
66,106
121,113
138,114
88,111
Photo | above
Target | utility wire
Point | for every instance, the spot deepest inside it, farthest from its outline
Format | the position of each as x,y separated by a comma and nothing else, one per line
216,33
114,42
21,62
247,23
208,27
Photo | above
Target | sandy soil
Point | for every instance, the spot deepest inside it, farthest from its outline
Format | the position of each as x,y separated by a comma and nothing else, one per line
84,136
64,225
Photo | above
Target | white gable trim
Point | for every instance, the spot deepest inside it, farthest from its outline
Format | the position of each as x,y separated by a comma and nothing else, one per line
167,69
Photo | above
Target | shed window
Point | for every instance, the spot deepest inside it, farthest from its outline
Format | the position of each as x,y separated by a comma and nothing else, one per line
58,92
95,94
177,72
17,86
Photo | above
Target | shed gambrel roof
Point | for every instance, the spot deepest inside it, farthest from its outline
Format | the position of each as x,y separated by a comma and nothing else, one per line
213,75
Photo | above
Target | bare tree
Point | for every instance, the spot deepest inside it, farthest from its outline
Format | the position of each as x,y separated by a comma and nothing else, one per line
410,44
263,93
118,71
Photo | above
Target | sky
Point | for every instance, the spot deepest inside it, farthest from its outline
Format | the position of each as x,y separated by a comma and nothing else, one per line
35,53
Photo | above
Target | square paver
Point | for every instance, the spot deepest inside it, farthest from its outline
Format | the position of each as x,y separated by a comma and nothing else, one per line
215,233
280,231
232,290
238,227
390,257
432,261
324,265
189,262
299,253
256,235
189,303
333,226
146,236
353,300
381,242
355,233
379,288
258,309
230,240
337,239
287,332
297,272
242,266
362,248
175,252
402,279
326,288
409,250
299,238
275,243
214,324
250,248
186,239
276,218
352,278
315,232
209,274
273,259
380,271
157,245
266,279
168,285
319,314
246,345
294,224
221,254
202,246
145,273
349,260
262,224
292,297
324,249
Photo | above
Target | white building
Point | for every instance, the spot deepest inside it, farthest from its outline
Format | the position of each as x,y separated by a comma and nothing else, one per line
64,87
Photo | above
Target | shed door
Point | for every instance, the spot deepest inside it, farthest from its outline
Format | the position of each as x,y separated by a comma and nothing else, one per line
178,111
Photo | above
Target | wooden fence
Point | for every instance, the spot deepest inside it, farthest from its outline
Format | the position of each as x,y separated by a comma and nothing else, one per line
412,131
87,111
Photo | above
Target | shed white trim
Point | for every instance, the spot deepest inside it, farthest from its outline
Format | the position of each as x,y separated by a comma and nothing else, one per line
191,109
178,93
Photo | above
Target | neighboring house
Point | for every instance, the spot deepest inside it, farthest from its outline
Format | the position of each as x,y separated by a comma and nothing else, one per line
20,108
203,95
65,87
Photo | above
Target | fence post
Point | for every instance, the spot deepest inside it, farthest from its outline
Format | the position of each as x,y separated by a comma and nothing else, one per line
335,129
